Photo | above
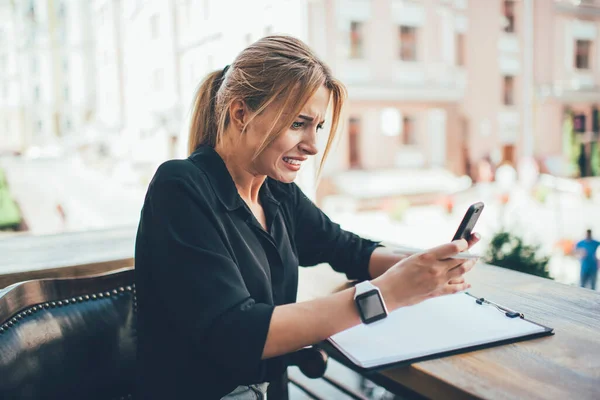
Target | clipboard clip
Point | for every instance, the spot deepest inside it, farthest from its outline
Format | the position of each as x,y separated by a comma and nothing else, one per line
505,310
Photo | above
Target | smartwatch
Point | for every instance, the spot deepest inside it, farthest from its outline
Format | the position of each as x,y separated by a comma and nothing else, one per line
369,302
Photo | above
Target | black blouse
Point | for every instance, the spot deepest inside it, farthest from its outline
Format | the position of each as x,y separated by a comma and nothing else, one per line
208,276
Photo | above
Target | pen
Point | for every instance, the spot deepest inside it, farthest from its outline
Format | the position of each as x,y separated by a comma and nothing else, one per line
507,311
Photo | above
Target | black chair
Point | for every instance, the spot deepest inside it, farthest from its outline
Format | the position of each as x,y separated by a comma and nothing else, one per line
75,338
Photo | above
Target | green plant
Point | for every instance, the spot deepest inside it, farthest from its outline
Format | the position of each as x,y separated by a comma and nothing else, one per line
509,251
10,217
595,159
398,209
540,193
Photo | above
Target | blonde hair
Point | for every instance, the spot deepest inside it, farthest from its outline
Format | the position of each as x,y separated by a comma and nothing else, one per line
273,68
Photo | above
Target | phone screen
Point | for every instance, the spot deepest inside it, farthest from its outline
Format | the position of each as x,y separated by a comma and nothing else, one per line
469,220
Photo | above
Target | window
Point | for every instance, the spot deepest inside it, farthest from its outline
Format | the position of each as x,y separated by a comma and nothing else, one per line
102,15
408,43
408,136
192,70
31,12
460,49
356,39
354,143
158,77
509,16
186,11
62,11
582,54
154,26
509,91
206,9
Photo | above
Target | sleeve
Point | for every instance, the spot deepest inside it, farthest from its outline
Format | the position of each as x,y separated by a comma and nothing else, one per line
201,285
319,240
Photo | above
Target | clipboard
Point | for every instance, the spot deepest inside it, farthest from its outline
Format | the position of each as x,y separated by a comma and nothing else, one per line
452,325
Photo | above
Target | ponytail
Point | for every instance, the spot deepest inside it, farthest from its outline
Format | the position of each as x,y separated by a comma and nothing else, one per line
203,130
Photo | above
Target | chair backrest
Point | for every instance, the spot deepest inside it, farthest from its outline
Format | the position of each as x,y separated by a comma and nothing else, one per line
68,338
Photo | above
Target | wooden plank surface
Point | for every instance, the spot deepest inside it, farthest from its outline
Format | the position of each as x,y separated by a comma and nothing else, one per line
24,257
563,366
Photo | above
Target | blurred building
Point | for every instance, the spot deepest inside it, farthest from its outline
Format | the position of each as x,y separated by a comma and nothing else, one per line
567,82
47,72
109,117
432,83
403,63
151,57
452,82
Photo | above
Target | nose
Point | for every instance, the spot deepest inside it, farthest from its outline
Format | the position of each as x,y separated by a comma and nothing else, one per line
309,147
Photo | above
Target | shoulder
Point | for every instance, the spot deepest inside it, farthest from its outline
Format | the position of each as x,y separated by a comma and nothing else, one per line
182,176
177,169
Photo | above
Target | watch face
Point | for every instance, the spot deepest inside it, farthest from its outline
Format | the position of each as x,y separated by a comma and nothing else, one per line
370,306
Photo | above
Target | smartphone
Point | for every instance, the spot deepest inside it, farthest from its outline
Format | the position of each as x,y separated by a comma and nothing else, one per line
468,223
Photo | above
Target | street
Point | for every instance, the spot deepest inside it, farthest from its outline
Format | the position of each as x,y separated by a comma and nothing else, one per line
89,199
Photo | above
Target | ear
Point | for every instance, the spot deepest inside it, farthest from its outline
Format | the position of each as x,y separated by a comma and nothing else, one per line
238,114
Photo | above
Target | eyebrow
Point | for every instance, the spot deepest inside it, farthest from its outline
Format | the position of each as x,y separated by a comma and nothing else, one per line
308,118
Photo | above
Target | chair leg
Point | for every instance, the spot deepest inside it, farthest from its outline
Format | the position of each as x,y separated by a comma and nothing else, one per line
278,390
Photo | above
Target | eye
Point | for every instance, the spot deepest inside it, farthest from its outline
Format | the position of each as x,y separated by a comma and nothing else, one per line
319,127
297,125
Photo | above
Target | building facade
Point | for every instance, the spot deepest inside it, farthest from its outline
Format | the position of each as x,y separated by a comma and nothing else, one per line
403,63
47,68
567,85
432,83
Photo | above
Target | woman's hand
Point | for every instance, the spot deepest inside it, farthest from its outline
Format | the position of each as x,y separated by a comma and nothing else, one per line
425,275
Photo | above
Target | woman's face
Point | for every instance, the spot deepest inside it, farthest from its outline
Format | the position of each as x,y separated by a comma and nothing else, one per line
283,158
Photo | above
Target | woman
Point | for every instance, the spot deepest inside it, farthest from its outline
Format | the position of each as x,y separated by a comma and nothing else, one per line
222,234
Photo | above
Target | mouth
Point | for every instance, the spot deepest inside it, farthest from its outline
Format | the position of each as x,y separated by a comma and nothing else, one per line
292,163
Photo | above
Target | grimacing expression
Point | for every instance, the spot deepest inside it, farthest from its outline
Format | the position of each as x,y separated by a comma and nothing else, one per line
283,158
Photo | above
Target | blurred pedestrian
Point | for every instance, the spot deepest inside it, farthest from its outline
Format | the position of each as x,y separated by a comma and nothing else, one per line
63,215
586,249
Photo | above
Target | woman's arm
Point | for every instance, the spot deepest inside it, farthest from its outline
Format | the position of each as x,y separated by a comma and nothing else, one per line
294,326
418,277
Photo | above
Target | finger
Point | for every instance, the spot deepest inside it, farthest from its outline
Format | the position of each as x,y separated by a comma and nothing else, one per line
451,263
457,281
462,269
449,249
473,239
451,289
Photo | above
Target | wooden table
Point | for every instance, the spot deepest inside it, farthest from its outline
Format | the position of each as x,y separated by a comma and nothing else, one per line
563,366
24,256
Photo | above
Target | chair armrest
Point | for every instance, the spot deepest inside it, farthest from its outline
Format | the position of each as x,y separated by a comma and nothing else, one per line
312,361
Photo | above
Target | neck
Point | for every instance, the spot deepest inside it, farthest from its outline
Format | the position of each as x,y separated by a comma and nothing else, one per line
247,182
